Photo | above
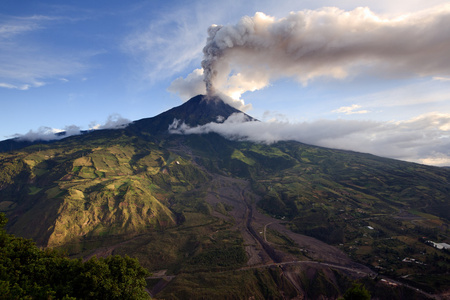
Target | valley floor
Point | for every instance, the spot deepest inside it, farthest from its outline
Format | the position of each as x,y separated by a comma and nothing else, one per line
263,248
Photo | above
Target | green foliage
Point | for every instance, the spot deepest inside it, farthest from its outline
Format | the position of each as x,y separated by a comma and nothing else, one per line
223,208
27,272
10,170
272,203
357,292
249,284
204,208
220,257
114,277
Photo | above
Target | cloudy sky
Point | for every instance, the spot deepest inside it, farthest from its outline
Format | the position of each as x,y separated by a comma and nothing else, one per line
370,76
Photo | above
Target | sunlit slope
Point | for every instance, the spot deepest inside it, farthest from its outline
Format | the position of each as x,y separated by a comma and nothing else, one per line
76,189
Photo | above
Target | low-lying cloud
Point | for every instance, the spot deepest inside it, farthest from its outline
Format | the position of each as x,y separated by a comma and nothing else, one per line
424,139
113,121
44,133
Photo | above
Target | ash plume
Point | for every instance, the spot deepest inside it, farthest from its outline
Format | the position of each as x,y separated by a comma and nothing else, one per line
211,54
328,42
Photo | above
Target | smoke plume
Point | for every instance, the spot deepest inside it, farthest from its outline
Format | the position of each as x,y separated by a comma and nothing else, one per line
329,42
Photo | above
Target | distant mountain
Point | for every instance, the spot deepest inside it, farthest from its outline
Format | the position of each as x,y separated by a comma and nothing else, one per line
16,144
20,142
218,213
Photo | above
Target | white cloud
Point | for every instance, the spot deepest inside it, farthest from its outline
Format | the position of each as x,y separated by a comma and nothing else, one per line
350,110
169,42
190,86
45,133
23,69
274,116
440,78
13,26
424,139
114,121
23,87
409,94
25,62
436,159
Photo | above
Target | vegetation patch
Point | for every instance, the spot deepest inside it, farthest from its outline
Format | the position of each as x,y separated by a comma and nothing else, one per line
7,205
28,272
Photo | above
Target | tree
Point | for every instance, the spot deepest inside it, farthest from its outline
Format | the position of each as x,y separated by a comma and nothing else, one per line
27,272
357,292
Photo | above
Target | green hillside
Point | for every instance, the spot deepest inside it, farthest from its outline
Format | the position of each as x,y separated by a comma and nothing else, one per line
75,190
379,211
201,210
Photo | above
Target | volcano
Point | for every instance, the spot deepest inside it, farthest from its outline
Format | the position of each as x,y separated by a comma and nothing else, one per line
286,220
199,110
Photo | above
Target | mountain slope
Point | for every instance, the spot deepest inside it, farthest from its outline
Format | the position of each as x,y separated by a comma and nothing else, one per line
70,193
98,183
191,204
199,110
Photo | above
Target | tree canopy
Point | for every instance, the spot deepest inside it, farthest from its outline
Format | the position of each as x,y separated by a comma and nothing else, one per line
27,272
357,292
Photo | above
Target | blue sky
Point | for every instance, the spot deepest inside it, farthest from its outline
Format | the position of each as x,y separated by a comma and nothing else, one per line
84,63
